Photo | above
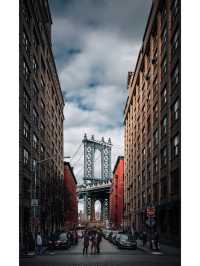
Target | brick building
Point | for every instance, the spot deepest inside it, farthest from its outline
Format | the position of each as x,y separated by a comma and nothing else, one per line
152,125
116,197
40,123
70,197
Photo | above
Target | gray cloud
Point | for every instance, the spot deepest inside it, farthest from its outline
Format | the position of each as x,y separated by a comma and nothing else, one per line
95,43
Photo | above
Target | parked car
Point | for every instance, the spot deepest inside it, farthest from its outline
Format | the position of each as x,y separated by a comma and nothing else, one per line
126,242
107,233
59,241
117,237
112,237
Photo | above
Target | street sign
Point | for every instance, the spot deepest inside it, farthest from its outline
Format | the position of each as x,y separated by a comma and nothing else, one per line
151,222
151,211
34,202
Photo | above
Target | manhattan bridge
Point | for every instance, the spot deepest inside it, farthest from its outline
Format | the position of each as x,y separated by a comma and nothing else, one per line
95,187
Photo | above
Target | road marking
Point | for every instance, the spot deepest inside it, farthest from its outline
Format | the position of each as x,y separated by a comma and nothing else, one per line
157,253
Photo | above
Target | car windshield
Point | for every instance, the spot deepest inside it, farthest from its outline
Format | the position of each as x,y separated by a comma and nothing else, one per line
124,237
63,236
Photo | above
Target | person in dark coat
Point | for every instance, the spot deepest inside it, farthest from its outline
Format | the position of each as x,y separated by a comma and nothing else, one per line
144,238
156,240
93,240
99,238
86,240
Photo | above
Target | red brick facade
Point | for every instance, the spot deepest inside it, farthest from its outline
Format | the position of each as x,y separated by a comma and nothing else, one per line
117,194
70,198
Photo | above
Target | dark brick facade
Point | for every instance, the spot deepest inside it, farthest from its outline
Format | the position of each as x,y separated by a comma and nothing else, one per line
152,125
70,197
116,197
40,122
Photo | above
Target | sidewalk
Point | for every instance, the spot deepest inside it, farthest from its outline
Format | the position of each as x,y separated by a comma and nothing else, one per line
164,249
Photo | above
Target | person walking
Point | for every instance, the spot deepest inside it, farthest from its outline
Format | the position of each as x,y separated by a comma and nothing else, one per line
39,244
156,240
99,238
86,240
144,238
93,243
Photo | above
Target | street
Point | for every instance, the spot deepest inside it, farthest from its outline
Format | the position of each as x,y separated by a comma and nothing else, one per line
110,255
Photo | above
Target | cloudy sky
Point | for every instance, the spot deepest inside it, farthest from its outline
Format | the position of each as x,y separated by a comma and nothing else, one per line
95,43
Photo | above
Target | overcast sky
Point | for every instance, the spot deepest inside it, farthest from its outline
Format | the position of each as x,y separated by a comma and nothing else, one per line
95,43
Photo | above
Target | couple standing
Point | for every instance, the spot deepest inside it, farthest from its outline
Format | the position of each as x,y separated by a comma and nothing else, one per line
95,239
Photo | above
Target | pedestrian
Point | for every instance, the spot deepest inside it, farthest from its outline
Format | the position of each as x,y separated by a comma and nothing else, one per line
144,238
99,238
26,243
86,240
39,244
156,240
93,243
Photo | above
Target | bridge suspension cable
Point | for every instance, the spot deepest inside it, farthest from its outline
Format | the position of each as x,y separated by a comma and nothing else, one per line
76,152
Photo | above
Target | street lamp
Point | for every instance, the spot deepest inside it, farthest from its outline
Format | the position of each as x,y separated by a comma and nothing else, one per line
34,201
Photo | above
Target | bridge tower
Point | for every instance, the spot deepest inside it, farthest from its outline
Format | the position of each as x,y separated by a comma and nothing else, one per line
96,188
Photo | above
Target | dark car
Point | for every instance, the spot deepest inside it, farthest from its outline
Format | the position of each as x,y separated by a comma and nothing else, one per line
116,237
59,241
113,237
126,242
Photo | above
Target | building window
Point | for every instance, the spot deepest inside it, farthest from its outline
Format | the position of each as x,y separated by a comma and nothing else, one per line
26,71
175,76
35,92
155,87
143,154
35,117
42,152
43,65
164,157
149,148
164,67
143,134
26,131
42,83
175,183
164,188
26,157
175,111
42,107
175,146
155,165
164,38
164,126
33,165
139,182
35,40
175,9
155,136
143,198
26,101
175,42
148,101
163,13
26,43
164,97
35,66
35,142
155,112
26,13
155,192
143,177
148,173
149,124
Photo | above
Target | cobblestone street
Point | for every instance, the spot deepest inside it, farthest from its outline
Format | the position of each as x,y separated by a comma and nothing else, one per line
110,255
